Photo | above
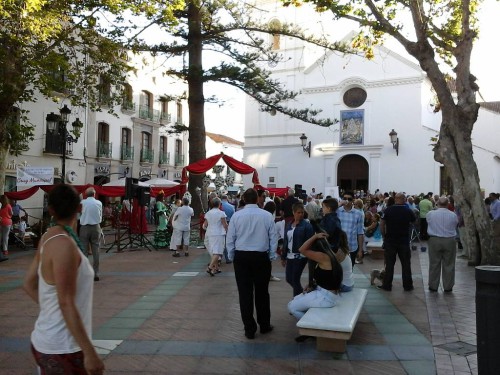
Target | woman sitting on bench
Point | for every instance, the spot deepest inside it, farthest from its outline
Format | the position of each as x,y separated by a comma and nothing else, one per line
327,276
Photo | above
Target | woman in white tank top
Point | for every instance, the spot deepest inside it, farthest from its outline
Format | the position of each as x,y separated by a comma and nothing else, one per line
60,279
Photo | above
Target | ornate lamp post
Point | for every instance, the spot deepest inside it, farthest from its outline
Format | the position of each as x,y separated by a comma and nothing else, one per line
59,123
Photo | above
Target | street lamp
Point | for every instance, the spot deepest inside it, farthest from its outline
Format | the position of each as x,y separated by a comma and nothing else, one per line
305,146
394,140
59,123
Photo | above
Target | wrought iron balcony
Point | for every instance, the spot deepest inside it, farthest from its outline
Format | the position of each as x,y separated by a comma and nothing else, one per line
128,105
147,155
165,158
127,152
166,118
104,150
147,113
179,160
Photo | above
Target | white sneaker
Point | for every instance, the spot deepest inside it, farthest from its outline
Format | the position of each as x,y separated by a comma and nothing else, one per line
274,278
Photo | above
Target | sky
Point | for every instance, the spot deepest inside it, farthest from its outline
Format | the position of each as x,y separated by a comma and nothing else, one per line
229,119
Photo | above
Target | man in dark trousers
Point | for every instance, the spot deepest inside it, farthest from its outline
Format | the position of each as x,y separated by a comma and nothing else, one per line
395,229
251,243
90,229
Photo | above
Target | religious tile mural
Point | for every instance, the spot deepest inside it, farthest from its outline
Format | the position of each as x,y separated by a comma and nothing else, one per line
351,127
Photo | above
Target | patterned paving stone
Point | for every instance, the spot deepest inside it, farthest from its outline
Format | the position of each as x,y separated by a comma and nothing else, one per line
149,321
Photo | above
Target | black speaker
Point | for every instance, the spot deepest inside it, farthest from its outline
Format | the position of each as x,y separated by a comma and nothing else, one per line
143,195
298,191
129,188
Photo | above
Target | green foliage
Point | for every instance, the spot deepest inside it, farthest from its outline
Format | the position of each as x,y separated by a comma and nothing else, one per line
65,50
226,29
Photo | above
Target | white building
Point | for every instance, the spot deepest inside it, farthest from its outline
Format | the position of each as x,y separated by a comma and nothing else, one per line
135,143
370,98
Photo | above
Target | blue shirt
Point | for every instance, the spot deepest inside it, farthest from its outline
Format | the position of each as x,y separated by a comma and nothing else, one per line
252,229
352,224
228,209
495,209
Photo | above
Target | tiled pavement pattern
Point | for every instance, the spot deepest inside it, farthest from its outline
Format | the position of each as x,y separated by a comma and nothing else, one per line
154,314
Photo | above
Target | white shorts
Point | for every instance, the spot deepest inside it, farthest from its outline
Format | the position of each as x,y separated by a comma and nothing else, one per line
216,244
180,237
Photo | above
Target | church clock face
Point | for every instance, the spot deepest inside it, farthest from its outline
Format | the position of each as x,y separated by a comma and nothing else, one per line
354,97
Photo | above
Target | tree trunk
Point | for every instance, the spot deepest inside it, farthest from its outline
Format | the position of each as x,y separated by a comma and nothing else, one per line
4,154
196,102
454,150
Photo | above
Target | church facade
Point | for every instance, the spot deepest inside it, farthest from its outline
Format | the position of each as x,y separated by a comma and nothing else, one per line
384,130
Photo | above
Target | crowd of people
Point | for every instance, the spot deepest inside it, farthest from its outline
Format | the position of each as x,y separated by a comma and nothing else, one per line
328,235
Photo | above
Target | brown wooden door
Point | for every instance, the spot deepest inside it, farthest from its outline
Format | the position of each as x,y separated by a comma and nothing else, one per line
352,173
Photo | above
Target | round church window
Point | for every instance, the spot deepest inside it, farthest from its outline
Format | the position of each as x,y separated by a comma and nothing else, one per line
354,97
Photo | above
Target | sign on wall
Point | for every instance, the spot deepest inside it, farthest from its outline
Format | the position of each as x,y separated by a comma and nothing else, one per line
351,127
31,176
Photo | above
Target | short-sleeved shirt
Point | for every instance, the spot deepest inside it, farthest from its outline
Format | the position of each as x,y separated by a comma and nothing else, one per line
214,219
397,219
182,218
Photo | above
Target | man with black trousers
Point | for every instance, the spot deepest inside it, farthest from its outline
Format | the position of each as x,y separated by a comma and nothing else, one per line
251,243
395,229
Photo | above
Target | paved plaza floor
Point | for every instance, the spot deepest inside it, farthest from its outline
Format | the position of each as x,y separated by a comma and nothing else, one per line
155,314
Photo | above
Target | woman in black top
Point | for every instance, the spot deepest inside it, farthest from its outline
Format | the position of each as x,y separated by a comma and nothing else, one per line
327,275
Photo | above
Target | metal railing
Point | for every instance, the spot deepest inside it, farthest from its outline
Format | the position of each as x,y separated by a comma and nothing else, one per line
179,160
147,113
147,155
104,150
165,158
127,152
128,105
166,118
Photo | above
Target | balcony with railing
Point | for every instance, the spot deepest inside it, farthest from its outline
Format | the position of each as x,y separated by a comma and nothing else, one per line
147,113
104,150
147,155
165,158
179,160
165,118
128,106
127,153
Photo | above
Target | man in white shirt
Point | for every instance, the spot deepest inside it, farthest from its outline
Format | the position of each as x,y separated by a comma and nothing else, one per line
181,222
442,230
251,244
90,228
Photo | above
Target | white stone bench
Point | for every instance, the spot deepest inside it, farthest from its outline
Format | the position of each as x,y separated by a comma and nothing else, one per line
333,326
375,249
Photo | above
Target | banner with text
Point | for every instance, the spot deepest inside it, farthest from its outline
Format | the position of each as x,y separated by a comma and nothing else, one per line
30,176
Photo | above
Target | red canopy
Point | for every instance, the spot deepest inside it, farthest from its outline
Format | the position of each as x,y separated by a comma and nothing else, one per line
202,166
